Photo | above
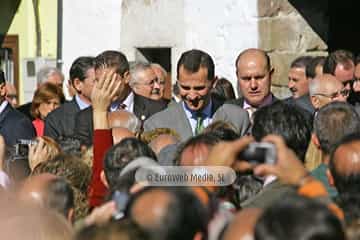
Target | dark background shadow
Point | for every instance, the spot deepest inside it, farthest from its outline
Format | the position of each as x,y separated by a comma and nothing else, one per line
8,9
334,21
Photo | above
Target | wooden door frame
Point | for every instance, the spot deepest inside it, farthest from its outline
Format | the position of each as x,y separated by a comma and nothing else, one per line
12,42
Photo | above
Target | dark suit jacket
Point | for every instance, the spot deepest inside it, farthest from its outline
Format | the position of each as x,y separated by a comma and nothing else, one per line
143,108
25,109
174,117
271,193
303,102
14,126
61,121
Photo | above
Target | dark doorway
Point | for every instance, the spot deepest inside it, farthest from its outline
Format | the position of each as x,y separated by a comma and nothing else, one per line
334,21
162,56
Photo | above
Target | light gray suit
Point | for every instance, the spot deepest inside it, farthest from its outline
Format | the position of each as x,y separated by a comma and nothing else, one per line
174,117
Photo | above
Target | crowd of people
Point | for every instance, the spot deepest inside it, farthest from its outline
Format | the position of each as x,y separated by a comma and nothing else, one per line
69,169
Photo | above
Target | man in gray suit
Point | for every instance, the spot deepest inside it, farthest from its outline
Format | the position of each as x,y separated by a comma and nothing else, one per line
195,78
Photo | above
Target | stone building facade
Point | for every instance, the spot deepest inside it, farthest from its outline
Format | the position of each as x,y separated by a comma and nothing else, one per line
223,28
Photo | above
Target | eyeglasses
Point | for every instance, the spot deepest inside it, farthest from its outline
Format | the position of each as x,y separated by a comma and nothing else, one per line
343,92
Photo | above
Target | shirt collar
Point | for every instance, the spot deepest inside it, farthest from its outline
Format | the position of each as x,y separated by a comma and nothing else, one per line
82,105
3,106
129,102
206,112
265,102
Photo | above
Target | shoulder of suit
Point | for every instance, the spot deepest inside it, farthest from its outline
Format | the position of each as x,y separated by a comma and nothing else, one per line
237,101
171,108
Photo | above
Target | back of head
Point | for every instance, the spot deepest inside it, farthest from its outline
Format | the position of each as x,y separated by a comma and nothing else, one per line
345,171
193,60
168,213
112,59
125,119
298,218
334,121
59,196
341,56
284,120
79,68
124,230
313,64
195,150
45,73
223,89
75,171
120,155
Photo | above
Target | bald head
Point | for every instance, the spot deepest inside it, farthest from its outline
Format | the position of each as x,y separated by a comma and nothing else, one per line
243,225
324,89
162,141
119,133
252,53
34,188
124,119
150,209
346,159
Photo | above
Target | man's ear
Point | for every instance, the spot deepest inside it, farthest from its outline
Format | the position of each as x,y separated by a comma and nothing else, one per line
315,102
103,179
77,85
70,216
330,178
126,77
315,140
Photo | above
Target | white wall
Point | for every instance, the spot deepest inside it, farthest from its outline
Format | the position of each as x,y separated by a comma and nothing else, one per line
89,27
222,28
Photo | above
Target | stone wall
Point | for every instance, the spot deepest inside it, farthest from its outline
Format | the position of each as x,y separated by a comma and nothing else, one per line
286,35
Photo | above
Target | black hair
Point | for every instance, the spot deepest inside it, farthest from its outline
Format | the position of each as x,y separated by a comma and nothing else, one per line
223,89
301,62
111,59
185,215
59,196
298,218
2,77
193,60
79,68
310,70
334,121
340,56
207,139
284,120
121,154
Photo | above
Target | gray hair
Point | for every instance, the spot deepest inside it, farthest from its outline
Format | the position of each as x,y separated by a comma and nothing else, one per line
135,70
45,72
314,86
132,123
156,65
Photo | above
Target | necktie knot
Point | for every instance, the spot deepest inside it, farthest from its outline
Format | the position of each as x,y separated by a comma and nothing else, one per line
199,123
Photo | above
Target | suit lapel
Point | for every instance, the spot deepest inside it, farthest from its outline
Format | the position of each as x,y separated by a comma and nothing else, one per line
7,109
139,106
180,112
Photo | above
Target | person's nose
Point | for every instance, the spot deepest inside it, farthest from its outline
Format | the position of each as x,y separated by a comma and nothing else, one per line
291,84
253,83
